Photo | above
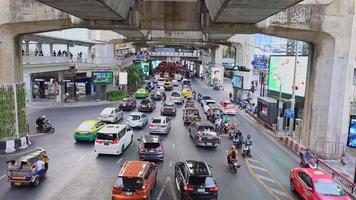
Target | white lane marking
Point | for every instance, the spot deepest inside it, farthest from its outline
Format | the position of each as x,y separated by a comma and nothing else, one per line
253,160
280,193
265,178
81,158
172,189
167,181
3,176
170,163
259,168
173,146
119,161
162,189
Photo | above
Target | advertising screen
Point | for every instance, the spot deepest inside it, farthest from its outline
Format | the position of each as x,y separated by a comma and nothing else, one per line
281,69
351,140
102,78
237,81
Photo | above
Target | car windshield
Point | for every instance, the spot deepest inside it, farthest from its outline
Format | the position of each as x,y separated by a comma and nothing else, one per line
156,121
228,105
203,128
134,117
151,145
201,181
206,97
107,111
86,126
175,94
106,136
328,188
168,105
210,102
129,183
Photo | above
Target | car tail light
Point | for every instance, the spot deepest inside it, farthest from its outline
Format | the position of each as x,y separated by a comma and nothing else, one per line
152,126
142,148
213,189
98,141
111,115
174,109
116,190
114,141
188,188
163,126
162,110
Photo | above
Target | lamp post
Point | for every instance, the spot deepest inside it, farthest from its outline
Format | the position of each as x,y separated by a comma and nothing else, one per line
292,103
279,118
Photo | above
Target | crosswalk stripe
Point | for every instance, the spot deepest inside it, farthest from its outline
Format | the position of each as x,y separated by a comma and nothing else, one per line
259,168
280,193
266,178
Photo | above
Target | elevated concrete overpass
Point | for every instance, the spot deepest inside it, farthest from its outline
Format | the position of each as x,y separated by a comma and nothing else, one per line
328,25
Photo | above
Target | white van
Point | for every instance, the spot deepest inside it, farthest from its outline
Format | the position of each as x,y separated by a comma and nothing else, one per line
113,139
161,81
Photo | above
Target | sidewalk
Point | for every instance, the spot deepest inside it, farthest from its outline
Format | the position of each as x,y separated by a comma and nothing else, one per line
346,170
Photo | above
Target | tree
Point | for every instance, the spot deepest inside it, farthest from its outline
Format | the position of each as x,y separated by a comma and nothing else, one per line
135,77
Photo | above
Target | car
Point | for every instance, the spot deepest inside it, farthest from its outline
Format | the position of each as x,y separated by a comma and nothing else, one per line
128,104
161,81
136,180
315,184
169,108
156,95
87,130
190,115
204,134
141,93
147,105
151,147
168,86
207,103
137,120
177,97
175,83
161,89
160,125
189,102
202,98
228,108
186,92
186,81
113,139
194,180
111,115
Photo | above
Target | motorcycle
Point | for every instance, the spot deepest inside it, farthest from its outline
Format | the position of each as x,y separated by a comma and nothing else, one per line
234,165
217,87
246,150
237,141
232,133
46,128
311,163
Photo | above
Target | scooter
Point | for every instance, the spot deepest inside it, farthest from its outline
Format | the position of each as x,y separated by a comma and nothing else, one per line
46,128
237,141
234,165
246,150
308,163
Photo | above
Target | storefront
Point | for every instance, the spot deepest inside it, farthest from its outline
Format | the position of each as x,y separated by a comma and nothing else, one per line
267,110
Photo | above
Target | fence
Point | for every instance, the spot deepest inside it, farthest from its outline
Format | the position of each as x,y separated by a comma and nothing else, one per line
329,149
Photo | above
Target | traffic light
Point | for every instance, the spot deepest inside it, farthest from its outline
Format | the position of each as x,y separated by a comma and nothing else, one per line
290,47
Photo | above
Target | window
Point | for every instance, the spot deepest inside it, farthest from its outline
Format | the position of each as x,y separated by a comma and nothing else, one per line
149,171
117,110
264,109
128,129
134,117
156,121
328,188
306,179
106,136
122,133
183,171
143,116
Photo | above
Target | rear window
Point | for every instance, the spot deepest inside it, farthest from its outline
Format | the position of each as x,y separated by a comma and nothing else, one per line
156,121
210,102
86,126
206,97
201,181
175,94
203,128
134,117
228,105
129,183
168,105
151,145
107,111
106,136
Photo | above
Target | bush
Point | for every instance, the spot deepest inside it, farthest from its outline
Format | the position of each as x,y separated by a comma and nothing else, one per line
116,95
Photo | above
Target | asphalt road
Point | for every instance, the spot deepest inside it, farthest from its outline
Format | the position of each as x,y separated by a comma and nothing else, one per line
76,172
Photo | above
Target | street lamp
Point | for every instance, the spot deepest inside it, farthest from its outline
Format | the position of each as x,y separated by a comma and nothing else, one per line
279,118
292,103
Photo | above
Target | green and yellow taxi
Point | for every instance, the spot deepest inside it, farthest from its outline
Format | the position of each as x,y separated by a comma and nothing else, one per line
168,86
186,92
141,93
87,130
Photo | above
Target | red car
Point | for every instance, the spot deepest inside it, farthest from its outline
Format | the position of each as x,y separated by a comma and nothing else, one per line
314,184
228,108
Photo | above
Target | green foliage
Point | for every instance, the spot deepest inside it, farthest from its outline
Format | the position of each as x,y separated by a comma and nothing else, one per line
7,114
116,95
21,110
135,77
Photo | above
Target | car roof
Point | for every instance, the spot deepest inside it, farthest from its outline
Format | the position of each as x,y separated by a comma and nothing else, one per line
226,102
199,168
90,121
151,139
169,103
133,168
316,174
136,113
210,100
205,123
160,117
112,128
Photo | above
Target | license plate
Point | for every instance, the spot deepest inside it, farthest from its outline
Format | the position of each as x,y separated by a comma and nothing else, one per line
106,143
17,183
201,190
128,193
151,151
209,144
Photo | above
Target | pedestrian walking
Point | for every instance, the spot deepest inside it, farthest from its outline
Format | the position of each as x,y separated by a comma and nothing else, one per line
230,96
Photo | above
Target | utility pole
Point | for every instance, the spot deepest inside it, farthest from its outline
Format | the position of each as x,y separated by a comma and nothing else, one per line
292,103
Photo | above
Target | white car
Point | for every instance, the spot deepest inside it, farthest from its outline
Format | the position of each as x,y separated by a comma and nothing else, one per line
111,115
137,119
177,97
175,83
160,125
161,81
161,89
206,104
113,139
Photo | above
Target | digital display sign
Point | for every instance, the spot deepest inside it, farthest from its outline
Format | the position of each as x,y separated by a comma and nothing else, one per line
351,139
102,77
237,81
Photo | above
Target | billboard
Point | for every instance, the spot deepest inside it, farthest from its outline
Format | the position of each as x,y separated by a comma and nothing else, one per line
123,78
237,81
351,139
281,69
102,77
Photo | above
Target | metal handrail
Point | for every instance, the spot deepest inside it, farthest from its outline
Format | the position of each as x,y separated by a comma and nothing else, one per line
329,149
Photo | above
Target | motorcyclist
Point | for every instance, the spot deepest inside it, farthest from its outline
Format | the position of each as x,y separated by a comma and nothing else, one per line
194,94
164,96
218,122
41,121
232,154
248,140
306,156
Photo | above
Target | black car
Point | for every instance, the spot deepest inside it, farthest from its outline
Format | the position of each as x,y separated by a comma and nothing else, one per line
156,95
128,104
203,134
169,108
151,148
195,181
147,105
202,98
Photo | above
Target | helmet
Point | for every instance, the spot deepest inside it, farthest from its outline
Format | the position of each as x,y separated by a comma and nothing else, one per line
233,147
248,136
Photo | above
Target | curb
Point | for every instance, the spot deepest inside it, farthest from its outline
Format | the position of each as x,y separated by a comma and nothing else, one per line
291,144
10,146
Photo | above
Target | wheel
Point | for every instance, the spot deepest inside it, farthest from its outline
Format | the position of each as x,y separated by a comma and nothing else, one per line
36,182
51,130
292,186
38,129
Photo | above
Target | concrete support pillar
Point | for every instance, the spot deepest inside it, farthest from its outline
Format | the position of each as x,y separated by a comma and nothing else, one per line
217,55
28,88
328,95
27,47
239,55
39,46
68,45
50,49
60,88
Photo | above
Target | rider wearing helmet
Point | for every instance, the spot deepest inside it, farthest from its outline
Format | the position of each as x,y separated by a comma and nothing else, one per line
232,154
41,121
248,140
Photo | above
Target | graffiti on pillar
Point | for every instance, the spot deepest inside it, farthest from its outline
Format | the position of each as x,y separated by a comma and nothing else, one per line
295,14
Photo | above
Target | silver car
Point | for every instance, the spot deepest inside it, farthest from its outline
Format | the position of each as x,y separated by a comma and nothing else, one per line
111,115
160,125
137,120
